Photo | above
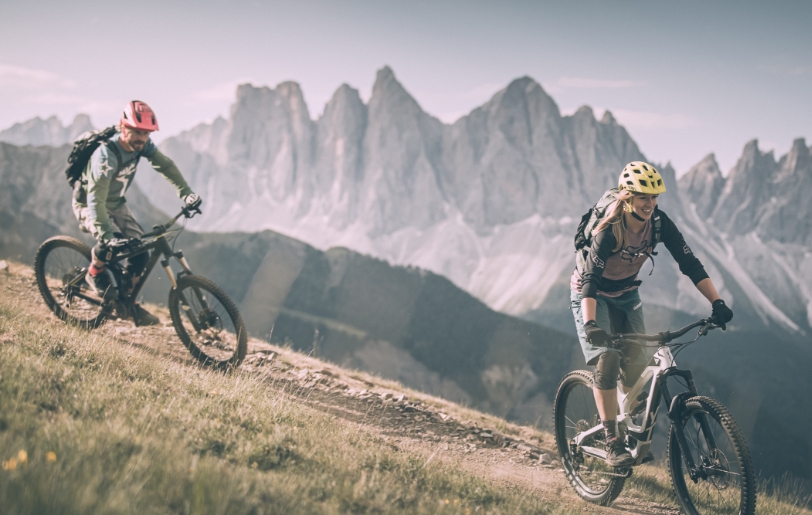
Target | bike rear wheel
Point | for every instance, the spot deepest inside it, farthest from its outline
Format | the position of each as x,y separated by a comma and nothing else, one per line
60,267
208,322
574,412
720,454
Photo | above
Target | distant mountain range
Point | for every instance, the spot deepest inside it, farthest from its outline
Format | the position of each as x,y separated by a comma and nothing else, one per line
37,131
489,202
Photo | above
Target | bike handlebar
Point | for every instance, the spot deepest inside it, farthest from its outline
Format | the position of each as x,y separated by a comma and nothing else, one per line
667,336
187,211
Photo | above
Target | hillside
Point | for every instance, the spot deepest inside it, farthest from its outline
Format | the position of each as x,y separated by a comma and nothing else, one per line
417,328
121,420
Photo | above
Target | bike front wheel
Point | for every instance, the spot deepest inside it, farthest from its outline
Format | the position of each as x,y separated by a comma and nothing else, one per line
207,322
575,412
60,267
725,482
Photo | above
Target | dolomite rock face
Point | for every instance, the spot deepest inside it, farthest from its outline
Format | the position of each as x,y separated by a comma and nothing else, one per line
50,132
491,201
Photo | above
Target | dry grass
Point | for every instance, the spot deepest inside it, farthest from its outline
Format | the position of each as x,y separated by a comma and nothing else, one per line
780,497
91,425
104,427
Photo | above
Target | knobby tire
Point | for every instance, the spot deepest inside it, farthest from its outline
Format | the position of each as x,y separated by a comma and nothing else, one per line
221,344
46,263
575,409
731,488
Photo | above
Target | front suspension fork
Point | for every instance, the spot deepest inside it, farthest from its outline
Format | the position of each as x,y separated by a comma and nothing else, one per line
675,414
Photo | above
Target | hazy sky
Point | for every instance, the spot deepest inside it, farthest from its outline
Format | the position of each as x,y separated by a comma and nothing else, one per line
686,78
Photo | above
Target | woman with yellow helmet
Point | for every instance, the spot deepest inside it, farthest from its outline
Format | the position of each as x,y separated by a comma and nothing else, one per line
604,288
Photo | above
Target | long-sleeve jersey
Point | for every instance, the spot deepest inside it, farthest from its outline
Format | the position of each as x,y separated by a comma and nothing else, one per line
612,273
110,172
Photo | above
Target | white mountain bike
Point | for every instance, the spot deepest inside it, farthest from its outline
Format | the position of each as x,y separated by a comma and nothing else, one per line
708,460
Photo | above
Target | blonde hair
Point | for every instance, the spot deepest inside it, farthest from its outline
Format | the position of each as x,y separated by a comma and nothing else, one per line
614,217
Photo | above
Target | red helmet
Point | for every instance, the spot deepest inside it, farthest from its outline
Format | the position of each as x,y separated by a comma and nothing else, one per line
138,115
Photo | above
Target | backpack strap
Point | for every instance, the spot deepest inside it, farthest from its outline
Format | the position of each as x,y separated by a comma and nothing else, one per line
658,230
112,146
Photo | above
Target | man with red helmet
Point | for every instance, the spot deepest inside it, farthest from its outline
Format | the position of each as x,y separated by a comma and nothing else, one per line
99,202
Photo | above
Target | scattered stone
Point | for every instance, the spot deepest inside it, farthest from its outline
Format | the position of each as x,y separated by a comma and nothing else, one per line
3,266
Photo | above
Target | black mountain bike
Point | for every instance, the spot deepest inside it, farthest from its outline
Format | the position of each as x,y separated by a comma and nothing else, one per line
708,459
205,318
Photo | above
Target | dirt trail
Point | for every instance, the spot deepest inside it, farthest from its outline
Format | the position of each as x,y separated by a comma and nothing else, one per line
515,457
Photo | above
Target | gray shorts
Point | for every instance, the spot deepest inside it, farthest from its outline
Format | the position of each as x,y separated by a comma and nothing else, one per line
629,303
122,219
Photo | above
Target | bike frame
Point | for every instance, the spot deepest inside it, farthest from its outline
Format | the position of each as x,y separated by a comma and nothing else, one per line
661,367
159,247
156,244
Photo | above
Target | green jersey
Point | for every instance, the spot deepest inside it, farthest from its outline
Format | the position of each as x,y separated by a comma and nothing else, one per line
110,172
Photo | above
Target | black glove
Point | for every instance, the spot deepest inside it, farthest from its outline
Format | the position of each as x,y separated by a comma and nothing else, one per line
721,313
595,335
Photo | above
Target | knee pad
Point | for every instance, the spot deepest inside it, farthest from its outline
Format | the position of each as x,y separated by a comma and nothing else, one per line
607,370
102,252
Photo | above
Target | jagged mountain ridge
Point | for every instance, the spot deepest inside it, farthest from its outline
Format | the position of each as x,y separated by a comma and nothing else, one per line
386,178
37,131
760,219
490,201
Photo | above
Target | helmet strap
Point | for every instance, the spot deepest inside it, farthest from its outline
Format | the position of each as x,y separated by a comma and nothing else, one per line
638,217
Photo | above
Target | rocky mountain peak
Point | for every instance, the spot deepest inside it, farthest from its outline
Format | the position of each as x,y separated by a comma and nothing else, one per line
702,185
798,157
748,187
608,118
402,160
389,95
50,131
528,94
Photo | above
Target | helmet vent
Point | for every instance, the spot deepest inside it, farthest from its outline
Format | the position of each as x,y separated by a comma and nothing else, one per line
643,183
638,172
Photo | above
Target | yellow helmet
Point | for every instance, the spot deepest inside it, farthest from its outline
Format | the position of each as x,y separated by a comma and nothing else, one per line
640,177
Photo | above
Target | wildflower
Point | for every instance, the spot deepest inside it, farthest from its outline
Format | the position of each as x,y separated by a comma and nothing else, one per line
22,456
11,464
50,456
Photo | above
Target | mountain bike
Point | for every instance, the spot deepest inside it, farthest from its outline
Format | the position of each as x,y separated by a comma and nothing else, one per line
708,459
204,317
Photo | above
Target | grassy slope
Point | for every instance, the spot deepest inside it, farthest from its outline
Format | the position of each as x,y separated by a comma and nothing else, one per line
136,434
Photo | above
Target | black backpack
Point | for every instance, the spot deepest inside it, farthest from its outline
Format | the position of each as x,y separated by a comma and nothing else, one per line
83,148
